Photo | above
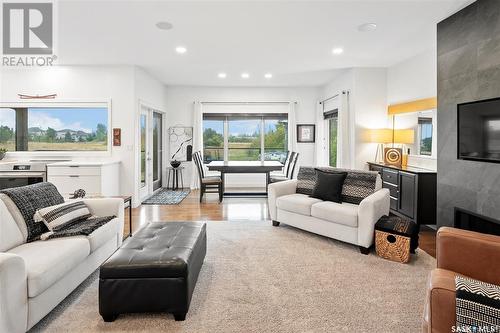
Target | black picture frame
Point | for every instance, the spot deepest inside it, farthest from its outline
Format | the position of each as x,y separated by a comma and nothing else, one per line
304,129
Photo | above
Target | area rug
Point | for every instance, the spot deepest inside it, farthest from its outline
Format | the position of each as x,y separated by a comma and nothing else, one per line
259,278
165,196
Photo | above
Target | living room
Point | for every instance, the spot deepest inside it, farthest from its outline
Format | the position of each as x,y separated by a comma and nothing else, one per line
283,166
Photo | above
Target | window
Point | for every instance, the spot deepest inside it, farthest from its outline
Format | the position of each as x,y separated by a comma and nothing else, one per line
275,139
54,129
254,137
332,118
425,136
244,139
143,130
213,140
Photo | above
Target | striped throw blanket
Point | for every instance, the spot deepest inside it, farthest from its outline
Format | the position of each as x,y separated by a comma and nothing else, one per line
55,218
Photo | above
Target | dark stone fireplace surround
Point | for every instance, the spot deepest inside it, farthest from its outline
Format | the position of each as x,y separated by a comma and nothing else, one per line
468,220
468,69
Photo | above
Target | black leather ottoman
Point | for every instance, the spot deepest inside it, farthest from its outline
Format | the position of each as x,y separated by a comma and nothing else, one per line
154,271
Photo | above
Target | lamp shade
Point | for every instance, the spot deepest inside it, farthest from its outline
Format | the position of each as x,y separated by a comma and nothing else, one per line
404,136
380,135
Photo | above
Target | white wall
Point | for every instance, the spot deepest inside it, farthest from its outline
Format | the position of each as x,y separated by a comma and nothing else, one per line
370,104
151,93
412,79
122,85
368,108
180,112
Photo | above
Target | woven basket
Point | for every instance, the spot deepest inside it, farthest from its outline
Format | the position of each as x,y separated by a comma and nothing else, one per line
392,247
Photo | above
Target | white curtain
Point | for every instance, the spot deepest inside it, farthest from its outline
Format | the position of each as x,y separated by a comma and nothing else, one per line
344,147
320,151
197,140
292,128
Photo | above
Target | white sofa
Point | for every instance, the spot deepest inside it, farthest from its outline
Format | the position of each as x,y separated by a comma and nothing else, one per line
37,276
346,222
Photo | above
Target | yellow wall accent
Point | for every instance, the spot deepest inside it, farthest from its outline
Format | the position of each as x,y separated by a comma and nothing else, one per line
413,106
404,136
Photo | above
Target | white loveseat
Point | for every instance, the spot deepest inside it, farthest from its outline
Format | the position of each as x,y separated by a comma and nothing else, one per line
346,222
37,276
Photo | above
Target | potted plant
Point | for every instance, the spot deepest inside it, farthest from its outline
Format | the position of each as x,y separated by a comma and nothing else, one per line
3,151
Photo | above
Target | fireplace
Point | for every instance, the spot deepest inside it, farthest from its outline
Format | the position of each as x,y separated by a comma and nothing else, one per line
468,220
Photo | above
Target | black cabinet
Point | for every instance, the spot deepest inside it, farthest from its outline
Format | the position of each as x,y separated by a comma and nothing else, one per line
412,191
407,189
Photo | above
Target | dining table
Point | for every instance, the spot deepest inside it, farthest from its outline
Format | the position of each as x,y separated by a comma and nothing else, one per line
225,167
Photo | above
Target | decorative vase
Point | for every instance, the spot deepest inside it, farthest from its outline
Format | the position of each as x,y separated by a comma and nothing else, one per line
175,164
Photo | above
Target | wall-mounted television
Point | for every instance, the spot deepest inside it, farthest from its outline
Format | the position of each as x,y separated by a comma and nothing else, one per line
479,130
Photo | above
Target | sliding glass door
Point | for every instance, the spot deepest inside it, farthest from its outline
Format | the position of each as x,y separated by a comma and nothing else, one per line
144,154
151,151
157,149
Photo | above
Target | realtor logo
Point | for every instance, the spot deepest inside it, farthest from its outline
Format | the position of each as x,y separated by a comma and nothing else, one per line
27,28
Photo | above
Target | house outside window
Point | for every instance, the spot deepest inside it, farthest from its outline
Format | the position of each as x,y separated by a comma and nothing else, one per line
54,129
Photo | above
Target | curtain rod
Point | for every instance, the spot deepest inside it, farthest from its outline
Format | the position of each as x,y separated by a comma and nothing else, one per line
252,102
334,96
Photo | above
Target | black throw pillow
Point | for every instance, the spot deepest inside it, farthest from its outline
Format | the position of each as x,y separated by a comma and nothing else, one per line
328,186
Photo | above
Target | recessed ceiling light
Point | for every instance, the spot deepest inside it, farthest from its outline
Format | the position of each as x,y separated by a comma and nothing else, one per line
338,50
245,75
180,49
222,75
367,27
164,25
268,75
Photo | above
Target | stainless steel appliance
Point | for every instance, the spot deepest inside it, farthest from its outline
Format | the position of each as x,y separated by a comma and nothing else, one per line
19,173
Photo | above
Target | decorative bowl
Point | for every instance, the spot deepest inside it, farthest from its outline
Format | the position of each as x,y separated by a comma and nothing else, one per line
175,164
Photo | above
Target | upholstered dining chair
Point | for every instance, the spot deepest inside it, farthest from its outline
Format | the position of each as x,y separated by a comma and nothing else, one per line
208,184
289,169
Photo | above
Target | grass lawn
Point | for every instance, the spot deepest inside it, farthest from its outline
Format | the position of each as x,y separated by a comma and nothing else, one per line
64,146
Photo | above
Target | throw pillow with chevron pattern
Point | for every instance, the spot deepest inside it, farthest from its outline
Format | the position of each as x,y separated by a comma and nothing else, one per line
478,305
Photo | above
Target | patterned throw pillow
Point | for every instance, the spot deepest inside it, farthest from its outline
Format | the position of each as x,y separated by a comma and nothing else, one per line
357,185
58,216
306,179
478,305
31,198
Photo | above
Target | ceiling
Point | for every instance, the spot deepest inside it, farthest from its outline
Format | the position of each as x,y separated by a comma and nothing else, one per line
292,40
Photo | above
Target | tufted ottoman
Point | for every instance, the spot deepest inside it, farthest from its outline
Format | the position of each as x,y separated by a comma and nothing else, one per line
154,271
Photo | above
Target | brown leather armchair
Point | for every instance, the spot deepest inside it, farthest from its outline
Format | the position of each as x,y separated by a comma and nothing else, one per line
461,252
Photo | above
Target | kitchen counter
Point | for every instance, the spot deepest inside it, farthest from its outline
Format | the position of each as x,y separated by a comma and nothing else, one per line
83,163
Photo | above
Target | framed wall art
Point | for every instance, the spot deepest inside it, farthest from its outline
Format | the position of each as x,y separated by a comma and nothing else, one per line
306,133
181,143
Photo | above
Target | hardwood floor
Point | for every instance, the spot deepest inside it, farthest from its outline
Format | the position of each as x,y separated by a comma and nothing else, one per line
190,209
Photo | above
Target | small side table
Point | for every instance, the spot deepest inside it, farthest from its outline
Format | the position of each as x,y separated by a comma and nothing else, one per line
127,200
176,176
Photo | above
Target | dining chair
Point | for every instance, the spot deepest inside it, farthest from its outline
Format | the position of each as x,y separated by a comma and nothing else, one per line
290,169
207,183
282,172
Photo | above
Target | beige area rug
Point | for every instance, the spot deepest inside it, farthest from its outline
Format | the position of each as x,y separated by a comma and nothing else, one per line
259,278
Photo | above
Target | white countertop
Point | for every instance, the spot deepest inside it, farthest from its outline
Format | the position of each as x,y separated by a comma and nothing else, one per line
83,163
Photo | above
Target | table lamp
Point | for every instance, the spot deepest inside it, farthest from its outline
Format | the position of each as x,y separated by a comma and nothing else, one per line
380,136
